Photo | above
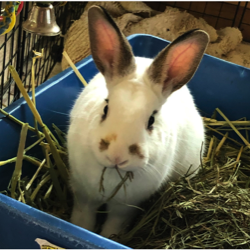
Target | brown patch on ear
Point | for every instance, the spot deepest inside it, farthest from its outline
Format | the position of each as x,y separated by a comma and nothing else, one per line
135,149
110,49
110,138
175,65
103,145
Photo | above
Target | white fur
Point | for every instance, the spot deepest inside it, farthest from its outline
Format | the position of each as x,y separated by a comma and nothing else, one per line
169,150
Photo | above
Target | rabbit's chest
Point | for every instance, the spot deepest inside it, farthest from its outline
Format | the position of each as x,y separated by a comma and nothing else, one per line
105,185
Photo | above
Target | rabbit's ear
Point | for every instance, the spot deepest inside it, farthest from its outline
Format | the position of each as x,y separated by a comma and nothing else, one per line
175,65
110,49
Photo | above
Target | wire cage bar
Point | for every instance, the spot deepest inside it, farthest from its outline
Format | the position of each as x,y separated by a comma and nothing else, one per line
17,46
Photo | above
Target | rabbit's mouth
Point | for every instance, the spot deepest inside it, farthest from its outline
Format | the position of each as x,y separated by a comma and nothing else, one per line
115,167
120,169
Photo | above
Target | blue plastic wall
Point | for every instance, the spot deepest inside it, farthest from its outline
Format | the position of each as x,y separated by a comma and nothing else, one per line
216,84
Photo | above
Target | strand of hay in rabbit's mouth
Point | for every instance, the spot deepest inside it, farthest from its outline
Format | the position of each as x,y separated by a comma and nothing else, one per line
128,176
209,210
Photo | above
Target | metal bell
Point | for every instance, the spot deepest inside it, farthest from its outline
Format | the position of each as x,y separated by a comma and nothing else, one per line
42,21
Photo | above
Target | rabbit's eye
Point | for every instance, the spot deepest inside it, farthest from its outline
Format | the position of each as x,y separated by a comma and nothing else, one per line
151,122
105,111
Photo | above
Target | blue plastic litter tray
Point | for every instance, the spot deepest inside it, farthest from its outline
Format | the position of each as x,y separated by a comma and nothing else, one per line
217,83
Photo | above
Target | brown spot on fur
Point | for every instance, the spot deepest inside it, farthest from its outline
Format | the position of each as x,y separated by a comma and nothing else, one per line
111,137
134,149
103,145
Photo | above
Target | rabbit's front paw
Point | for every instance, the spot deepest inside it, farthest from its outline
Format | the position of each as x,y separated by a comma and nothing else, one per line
84,216
110,229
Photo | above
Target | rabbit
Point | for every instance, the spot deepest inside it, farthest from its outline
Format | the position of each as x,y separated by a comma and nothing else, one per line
136,115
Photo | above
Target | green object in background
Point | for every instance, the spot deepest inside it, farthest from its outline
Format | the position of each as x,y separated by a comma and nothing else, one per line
17,6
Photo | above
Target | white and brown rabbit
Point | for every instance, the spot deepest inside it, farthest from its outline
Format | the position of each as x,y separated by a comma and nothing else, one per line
136,115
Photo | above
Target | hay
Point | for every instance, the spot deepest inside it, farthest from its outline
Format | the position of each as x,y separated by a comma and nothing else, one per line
209,210
48,188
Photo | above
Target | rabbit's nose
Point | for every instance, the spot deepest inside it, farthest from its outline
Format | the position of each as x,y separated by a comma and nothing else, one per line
117,161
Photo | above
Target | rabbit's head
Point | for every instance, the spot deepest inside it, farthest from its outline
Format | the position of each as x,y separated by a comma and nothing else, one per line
130,117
